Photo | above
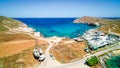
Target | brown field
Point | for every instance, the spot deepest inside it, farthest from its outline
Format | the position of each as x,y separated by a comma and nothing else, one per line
5,37
14,47
67,52
15,54
97,66
112,26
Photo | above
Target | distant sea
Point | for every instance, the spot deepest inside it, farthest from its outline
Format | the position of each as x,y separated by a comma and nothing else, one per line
61,27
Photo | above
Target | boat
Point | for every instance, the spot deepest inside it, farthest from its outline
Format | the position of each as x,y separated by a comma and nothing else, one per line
38,53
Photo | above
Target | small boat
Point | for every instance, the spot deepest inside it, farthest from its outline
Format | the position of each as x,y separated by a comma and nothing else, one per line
41,58
38,53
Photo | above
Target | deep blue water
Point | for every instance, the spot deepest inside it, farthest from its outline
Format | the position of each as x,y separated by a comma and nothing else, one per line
62,27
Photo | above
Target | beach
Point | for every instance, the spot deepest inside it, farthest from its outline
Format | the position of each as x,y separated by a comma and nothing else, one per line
63,44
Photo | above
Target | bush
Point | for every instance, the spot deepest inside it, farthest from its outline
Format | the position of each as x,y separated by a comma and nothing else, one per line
92,61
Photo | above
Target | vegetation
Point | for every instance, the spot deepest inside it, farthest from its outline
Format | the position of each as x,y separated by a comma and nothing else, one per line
112,25
22,57
10,62
5,37
92,61
106,24
20,60
2,28
12,23
68,52
16,48
87,19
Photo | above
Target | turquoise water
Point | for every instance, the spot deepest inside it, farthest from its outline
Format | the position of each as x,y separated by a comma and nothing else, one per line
62,27
114,62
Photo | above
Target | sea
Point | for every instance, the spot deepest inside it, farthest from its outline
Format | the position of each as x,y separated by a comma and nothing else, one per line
114,62
64,27
61,27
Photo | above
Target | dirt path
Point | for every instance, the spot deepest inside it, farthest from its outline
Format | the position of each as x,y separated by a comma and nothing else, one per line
49,63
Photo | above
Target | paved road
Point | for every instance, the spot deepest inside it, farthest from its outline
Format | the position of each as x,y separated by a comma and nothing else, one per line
50,63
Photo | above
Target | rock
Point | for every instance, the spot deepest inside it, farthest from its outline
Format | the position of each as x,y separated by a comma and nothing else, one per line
19,60
90,20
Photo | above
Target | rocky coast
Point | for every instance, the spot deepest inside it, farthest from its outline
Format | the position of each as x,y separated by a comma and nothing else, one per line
90,20
65,50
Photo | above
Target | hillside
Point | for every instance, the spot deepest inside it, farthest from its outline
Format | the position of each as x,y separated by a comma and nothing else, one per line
106,25
9,32
12,23
17,44
88,19
68,50
111,26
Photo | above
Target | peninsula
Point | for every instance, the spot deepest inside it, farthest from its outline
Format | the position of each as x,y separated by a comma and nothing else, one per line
106,25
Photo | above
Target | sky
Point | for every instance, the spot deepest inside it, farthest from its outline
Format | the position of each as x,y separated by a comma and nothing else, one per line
60,8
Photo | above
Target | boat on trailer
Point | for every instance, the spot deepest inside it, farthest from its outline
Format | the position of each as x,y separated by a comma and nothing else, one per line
38,53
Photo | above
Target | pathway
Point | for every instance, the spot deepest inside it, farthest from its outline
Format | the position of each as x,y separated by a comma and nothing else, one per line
50,63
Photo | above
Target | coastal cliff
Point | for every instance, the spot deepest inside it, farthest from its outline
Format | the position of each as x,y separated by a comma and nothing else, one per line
90,20
110,26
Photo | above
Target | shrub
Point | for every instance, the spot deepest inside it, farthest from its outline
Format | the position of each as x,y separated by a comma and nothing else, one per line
92,61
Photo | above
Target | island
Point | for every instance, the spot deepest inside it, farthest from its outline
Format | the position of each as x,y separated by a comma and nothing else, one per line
92,49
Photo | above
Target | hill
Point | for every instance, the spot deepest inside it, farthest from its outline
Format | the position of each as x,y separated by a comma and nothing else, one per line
106,25
17,43
11,29
111,26
11,23
90,20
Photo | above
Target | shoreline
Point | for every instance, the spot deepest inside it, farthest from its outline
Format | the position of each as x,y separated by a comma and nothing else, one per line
49,43
37,35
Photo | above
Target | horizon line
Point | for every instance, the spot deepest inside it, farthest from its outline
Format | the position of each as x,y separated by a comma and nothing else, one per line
62,17
66,17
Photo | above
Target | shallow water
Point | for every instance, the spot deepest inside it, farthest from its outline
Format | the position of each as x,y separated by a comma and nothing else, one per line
114,62
56,26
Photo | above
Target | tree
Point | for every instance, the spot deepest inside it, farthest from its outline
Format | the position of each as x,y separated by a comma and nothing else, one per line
92,61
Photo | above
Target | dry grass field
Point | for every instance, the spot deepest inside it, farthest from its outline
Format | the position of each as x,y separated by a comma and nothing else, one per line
16,54
68,50
112,26
16,48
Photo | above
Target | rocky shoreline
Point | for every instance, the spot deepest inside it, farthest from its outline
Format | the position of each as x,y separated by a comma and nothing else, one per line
90,20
